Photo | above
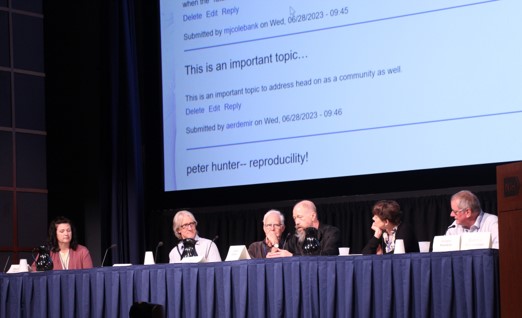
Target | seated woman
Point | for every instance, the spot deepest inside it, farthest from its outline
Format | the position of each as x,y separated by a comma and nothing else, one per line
65,251
388,228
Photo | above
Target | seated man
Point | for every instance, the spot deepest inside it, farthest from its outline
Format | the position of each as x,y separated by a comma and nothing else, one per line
184,226
305,216
469,217
274,226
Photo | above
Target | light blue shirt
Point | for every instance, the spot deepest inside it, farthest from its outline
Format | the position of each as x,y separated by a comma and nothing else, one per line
485,223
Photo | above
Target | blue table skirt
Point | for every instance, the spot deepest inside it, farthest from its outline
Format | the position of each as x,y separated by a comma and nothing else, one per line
452,284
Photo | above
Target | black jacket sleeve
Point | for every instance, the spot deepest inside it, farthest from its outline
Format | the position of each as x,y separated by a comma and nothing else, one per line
330,238
371,246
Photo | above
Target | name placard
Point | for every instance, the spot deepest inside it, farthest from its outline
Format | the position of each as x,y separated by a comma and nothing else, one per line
193,259
237,252
15,268
475,240
446,243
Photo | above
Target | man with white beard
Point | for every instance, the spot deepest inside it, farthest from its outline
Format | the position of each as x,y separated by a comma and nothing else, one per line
305,216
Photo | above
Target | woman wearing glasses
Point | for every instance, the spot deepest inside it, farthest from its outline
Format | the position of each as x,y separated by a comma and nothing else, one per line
184,226
274,226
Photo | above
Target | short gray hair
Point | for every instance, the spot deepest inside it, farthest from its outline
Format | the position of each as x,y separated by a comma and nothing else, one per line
466,199
281,216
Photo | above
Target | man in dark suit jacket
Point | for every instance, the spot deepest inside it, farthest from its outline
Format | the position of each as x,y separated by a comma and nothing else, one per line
305,216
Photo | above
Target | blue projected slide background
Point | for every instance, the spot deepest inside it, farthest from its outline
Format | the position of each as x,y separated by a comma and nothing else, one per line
271,91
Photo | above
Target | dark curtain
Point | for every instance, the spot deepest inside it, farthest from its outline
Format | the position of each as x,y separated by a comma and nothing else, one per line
125,131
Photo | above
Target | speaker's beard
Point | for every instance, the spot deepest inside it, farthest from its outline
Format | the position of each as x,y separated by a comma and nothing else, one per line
300,235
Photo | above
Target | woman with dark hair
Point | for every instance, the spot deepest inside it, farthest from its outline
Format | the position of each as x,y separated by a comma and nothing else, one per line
388,227
65,251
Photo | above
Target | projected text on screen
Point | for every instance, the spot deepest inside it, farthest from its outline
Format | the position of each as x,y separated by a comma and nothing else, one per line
270,91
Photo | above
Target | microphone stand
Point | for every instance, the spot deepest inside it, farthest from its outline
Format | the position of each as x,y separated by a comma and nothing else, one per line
7,262
160,243
209,246
105,255
286,239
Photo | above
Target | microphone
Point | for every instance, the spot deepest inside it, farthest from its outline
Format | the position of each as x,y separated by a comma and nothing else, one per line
6,262
210,245
451,226
160,244
286,239
104,256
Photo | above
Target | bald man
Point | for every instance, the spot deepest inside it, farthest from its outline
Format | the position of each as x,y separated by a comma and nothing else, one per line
305,216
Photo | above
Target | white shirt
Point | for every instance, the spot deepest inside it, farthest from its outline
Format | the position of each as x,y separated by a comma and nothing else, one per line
485,223
204,247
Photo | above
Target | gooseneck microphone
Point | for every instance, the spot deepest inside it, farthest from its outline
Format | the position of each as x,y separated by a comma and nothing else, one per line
6,262
160,244
286,239
104,256
210,245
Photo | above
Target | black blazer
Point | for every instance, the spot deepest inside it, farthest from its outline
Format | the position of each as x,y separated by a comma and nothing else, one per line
329,237
404,232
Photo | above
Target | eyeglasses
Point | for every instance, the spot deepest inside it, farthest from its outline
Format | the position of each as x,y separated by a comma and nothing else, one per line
458,211
273,225
187,225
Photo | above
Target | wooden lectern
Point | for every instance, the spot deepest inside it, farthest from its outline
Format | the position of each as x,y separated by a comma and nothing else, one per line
509,197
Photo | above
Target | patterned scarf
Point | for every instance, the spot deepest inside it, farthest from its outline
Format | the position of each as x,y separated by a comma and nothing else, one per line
389,240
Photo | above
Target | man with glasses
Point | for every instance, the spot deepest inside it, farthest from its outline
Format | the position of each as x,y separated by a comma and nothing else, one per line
274,226
184,226
469,217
